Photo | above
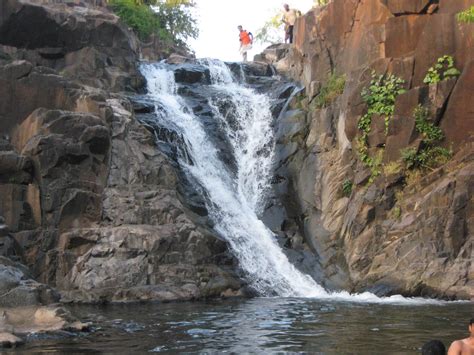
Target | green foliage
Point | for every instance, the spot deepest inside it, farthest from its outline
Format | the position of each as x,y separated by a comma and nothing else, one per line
466,16
381,94
330,90
347,188
376,165
138,16
380,97
170,20
429,155
442,70
431,134
393,167
176,19
409,156
270,31
320,2
397,212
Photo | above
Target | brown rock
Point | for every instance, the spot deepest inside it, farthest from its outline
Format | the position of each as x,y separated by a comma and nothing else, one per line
438,96
377,135
453,7
458,120
403,34
452,38
8,340
401,7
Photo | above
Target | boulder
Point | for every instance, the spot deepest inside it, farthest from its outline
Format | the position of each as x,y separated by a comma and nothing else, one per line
192,74
18,289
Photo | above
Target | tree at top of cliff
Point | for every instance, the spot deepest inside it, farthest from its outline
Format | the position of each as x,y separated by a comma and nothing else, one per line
170,20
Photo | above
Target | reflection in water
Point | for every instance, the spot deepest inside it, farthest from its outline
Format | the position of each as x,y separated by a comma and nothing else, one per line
263,325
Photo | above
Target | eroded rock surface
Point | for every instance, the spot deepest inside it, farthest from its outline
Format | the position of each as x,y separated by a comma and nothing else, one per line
390,234
91,209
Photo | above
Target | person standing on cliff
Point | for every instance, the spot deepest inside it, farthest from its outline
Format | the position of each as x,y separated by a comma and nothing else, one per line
464,346
289,19
246,40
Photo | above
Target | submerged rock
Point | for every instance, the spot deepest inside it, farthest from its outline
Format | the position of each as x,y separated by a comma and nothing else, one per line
8,340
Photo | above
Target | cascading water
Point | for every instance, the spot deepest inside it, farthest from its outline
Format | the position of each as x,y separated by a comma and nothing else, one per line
234,199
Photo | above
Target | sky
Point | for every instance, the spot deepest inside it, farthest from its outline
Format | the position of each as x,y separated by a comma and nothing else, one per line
218,21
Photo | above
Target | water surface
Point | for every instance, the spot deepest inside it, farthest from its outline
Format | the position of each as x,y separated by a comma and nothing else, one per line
261,325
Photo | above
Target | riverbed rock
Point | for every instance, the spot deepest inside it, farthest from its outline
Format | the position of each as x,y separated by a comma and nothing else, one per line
8,340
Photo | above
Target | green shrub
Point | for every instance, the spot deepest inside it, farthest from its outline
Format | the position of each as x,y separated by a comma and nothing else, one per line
381,94
139,17
347,188
380,97
466,16
170,20
429,156
330,90
409,157
397,212
442,70
431,134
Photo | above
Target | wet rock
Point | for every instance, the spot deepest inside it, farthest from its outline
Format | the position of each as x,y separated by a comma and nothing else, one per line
178,59
8,340
18,289
192,74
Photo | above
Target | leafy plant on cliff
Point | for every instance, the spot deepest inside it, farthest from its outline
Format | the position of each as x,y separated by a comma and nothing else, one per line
347,188
442,70
170,20
330,90
431,133
429,155
137,16
380,97
466,16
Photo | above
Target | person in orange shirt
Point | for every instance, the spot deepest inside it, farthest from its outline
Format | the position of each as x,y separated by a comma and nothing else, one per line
246,40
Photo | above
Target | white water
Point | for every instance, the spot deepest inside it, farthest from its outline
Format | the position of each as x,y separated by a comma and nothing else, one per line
235,200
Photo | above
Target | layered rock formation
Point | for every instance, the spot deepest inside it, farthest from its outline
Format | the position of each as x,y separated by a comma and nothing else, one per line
397,231
90,206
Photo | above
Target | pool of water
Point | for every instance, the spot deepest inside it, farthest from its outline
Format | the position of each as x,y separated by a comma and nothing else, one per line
260,325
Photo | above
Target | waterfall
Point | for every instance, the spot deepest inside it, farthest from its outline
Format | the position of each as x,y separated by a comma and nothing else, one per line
235,199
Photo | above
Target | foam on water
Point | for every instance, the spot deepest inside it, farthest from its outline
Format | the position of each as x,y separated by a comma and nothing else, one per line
235,200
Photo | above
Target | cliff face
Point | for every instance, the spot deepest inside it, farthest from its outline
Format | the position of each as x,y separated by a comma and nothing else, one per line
381,225
88,202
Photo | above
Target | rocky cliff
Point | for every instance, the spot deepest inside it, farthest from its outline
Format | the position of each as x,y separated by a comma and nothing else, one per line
92,211
89,204
377,217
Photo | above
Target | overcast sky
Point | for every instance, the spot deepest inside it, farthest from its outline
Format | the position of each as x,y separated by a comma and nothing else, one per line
218,21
